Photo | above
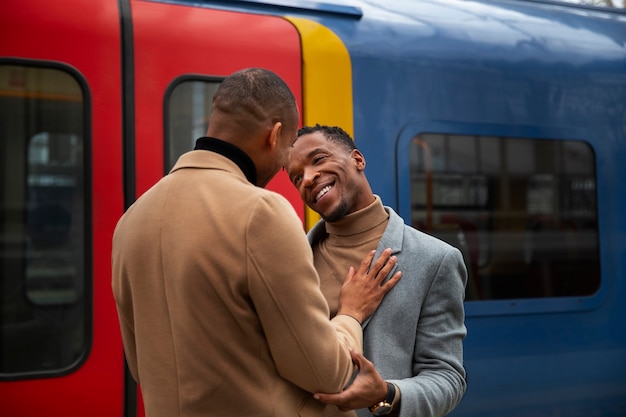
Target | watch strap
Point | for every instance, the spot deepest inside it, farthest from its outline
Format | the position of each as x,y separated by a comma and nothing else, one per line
384,407
391,393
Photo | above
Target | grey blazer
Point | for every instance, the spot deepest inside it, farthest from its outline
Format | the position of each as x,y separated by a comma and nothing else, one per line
415,338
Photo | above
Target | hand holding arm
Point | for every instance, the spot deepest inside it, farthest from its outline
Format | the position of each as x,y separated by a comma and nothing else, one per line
368,388
363,291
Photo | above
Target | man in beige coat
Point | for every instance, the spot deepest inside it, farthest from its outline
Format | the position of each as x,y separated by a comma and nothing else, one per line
218,300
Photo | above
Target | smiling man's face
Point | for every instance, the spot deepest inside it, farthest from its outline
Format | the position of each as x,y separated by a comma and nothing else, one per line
328,176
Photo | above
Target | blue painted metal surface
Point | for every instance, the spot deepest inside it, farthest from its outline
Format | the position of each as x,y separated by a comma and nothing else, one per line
512,69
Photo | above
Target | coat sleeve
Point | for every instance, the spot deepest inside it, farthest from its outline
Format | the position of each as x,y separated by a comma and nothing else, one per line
122,293
309,350
439,382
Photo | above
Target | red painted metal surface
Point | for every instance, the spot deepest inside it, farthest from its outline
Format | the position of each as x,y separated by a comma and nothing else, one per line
83,35
171,41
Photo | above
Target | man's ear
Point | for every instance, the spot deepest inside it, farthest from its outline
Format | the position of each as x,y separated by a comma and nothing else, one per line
359,159
272,139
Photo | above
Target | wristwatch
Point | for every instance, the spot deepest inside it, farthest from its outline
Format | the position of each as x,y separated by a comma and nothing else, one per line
384,407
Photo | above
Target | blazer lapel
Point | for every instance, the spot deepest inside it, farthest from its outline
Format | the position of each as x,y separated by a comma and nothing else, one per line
392,238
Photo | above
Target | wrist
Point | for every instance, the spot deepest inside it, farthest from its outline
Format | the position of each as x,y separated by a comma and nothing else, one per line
385,406
352,314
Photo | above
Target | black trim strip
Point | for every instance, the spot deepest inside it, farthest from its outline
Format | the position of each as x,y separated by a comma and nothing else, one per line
128,155
128,101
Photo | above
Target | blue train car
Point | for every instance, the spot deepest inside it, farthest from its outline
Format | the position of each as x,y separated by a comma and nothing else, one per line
500,126
496,125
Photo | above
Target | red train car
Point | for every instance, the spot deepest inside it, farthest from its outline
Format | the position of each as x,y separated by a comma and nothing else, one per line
91,95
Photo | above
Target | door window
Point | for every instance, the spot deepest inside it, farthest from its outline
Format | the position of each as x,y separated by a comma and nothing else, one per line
42,221
189,105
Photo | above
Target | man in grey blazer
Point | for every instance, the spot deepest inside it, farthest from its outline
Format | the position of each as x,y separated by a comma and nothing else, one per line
415,338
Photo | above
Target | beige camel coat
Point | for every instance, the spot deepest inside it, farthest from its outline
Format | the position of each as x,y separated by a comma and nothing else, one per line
219,303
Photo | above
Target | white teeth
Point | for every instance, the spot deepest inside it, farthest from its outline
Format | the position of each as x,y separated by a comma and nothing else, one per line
322,192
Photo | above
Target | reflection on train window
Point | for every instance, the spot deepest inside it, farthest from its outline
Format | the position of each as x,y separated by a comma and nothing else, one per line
523,212
187,115
42,224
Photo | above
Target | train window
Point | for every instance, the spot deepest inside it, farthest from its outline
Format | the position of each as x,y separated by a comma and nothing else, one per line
188,107
42,221
523,212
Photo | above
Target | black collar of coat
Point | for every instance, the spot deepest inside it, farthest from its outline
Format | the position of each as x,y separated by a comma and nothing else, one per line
230,151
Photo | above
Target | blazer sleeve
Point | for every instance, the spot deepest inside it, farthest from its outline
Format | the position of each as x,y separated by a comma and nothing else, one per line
439,382
308,348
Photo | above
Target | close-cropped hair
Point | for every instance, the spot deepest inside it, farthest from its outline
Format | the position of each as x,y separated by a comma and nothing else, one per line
258,92
332,133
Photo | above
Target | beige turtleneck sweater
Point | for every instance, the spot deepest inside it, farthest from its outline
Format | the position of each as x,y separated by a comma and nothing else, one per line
348,241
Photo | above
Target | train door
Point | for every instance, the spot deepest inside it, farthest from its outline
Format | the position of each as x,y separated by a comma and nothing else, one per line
60,196
181,54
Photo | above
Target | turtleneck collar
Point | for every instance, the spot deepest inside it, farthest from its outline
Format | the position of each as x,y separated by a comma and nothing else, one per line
360,221
230,151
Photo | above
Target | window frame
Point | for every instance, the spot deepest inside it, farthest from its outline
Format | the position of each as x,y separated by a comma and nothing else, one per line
87,236
169,160
475,308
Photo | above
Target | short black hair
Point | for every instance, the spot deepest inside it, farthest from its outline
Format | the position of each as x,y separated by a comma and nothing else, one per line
256,95
332,133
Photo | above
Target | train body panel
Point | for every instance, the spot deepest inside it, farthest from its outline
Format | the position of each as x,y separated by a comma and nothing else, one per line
511,69
78,79
499,126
